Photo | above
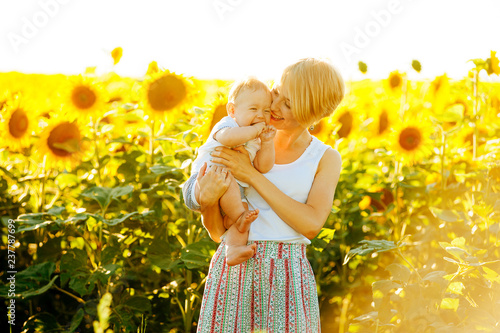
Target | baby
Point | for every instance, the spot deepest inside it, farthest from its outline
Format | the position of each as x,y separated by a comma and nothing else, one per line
249,113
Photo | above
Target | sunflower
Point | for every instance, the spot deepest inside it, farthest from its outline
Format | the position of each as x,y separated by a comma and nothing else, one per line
165,93
395,81
439,91
411,141
18,124
494,63
152,68
85,98
62,143
346,120
382,122
116,54
207,120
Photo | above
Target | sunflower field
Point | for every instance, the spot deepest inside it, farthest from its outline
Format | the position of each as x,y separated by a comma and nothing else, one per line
96,237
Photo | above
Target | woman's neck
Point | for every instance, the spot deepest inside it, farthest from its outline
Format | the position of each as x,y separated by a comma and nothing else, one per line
293,139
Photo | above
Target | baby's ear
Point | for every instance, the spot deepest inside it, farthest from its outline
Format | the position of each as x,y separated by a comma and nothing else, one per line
230,109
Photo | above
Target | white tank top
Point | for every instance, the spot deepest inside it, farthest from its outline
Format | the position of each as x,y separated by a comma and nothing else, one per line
293,179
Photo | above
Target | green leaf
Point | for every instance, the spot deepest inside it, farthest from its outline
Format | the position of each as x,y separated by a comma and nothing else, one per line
369,246
161,169
39,291
38,272
138,303
33,226
109,253
198,255
445,215
77,319
57,211
159,254
64,180
119,191
100,194
41,322
458,253
450,303
119,219
399,272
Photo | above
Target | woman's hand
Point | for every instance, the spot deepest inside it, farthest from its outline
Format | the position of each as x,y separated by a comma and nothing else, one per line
237,161
212,184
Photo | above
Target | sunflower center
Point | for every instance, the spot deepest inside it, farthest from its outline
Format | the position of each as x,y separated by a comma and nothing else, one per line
166,93
64,139
410,138
383,122
346,120
18,123
83,97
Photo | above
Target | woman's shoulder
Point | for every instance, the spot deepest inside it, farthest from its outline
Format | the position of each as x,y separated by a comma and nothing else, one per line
331,159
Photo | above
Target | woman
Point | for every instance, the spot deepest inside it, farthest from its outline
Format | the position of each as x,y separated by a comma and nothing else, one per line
275,290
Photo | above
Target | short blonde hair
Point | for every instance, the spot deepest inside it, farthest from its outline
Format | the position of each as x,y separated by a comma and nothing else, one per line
244,84
315,88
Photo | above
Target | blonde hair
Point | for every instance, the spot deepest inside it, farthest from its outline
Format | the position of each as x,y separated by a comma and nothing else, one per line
315,88
242,85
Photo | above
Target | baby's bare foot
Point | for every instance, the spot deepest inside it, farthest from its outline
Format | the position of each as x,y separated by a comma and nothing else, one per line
237,254
244,221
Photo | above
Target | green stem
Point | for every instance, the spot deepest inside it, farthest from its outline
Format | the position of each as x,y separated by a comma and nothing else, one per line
42,186
151,140
69,294
411,266
396,201
404,90
96,151
443,151
476,109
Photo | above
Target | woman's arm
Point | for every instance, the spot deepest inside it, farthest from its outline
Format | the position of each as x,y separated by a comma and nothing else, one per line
212,185
308,218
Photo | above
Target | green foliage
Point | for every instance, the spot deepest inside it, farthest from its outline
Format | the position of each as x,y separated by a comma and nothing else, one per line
111,246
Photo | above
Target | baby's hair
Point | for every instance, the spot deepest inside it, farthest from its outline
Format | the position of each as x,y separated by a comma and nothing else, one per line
244,84
315,88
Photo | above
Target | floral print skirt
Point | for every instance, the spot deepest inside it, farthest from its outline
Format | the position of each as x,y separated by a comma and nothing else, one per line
274,291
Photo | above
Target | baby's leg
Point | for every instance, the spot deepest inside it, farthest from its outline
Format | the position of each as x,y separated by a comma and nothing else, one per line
237,250
231,204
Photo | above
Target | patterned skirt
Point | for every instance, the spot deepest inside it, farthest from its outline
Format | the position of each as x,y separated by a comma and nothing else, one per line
274,291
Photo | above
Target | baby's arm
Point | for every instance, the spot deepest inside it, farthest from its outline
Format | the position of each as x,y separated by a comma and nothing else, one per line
236,136
264,159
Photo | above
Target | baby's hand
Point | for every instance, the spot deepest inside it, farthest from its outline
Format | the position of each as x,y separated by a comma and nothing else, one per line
268,133
260,127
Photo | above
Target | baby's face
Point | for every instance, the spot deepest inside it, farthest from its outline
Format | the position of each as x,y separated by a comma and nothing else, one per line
251,107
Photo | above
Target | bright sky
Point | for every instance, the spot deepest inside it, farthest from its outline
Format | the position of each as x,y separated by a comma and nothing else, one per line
233,38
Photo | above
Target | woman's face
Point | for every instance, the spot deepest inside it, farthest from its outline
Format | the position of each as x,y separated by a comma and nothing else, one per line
281,114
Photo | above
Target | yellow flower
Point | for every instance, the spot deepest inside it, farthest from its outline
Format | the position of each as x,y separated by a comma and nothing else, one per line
85,98
346,120
19,121
164,93
395,81
440,93
494,62
411,141
152,68
62,144
117,55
